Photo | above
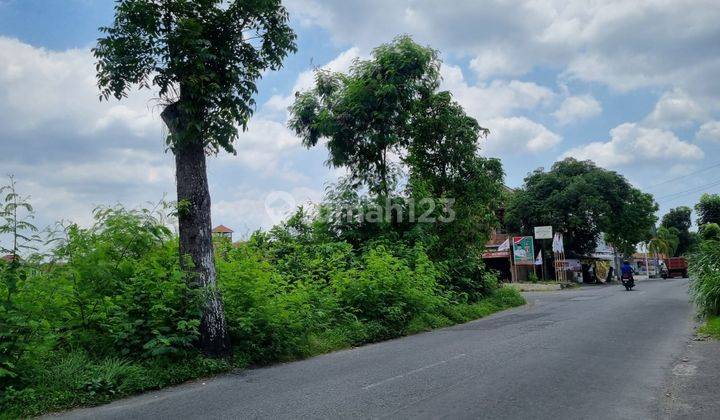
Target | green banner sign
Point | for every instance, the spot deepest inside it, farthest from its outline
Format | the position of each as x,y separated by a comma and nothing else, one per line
523,250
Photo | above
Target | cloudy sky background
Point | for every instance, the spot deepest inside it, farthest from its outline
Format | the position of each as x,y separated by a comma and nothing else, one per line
632,85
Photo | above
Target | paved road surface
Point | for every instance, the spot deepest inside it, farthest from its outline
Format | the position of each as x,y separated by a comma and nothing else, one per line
590,353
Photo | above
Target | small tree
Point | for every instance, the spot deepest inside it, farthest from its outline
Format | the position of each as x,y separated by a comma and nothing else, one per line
366,114
204,57
665,241
16,215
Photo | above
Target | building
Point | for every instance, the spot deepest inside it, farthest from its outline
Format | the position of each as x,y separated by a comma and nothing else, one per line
222,231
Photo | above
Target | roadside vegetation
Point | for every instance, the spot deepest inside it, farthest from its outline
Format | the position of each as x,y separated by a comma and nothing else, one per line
92,313
107,311
704,265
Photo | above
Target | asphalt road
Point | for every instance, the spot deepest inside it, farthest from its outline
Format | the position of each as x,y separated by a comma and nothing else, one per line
588,353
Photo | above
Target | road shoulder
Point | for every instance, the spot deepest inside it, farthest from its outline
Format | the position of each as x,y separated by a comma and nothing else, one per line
691,385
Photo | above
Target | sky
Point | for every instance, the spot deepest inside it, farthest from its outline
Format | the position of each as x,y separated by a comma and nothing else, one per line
631,85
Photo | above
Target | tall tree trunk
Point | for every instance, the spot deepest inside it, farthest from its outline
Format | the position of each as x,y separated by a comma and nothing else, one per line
193,197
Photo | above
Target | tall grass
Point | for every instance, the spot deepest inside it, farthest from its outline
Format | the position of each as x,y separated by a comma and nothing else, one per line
705,278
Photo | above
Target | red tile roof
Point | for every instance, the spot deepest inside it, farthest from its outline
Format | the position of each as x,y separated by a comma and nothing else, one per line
222,229
7,258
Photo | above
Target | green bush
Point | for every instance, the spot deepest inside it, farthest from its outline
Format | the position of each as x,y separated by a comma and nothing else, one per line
387,292
110,312
704,268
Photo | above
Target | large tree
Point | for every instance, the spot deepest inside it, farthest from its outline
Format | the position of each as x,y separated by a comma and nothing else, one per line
679,218
582,200
708,209
444,163
204,57
366,114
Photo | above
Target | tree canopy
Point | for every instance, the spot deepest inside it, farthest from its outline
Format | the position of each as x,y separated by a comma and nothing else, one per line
203,56
582,200
708,209
679,218
366,114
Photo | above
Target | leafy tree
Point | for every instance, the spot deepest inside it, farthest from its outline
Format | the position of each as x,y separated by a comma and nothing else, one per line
204,58
679,218
582,200
665,241
366,114
708,209
632,223
444,164
710,232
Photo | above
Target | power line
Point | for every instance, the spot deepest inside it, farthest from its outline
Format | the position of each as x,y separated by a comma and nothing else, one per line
691,190
684,176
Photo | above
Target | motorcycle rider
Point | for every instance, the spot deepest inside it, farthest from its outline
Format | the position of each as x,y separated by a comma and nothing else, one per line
626,275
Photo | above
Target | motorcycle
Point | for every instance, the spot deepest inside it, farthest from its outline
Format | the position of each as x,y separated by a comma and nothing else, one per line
664,273
628,282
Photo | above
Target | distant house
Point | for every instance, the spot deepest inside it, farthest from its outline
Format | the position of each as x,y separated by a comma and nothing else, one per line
8,258
223,232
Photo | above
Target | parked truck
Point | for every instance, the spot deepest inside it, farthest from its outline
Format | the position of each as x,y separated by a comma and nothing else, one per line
676,266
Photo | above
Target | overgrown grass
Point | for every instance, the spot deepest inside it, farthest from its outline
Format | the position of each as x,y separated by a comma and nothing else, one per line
704,268
711,327
76,379
113,315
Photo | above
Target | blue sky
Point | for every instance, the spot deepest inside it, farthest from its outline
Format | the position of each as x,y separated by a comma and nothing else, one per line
630,85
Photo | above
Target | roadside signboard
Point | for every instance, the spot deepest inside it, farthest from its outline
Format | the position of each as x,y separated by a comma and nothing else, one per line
523,250
543,232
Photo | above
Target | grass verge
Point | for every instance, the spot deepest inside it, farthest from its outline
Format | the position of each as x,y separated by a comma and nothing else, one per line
711,327
75,379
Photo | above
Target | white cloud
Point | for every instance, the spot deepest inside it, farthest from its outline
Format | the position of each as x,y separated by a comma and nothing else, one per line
263,148
498,62
623,44
246,209
710,131
72,152
675,109
576,108
494,99
631,143
306,79
518,134
39,87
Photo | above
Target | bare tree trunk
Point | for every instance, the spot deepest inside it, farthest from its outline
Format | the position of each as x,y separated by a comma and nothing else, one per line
193,197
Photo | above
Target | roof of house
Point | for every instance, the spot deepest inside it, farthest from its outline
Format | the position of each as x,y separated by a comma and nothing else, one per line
222,229
496,239
7,257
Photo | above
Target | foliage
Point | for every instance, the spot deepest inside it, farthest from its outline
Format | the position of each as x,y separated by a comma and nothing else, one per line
710,231
205,56
708,209
704,269
366,114
389,105
665,241
110,314
16,214
582,200
114,288
679,218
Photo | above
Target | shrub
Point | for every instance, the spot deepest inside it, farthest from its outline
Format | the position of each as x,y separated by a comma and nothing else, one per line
704,268
386,292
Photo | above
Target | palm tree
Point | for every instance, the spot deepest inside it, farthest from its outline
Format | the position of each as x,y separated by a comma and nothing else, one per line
664,242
